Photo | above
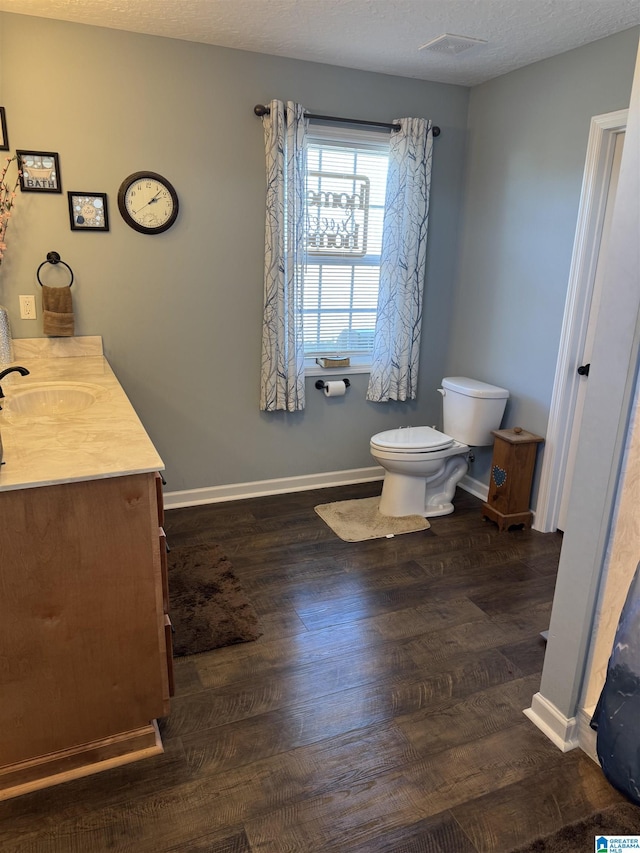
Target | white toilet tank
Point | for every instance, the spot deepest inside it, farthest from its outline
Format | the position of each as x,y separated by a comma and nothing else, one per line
471,409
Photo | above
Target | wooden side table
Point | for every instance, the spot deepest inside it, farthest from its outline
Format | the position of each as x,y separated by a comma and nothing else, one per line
514,457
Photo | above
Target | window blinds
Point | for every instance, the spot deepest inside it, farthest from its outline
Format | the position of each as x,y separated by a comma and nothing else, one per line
346,184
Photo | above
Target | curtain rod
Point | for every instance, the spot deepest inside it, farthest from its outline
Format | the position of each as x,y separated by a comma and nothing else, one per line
260,110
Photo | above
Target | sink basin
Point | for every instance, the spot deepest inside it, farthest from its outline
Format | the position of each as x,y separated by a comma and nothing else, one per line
50,399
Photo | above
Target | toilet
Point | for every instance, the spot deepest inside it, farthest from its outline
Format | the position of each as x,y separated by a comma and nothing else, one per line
422,465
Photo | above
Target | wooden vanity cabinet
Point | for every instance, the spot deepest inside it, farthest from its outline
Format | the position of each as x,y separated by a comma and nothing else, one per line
83,653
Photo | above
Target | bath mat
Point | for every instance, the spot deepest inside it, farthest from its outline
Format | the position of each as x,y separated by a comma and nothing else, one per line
207,604
619,820
355,521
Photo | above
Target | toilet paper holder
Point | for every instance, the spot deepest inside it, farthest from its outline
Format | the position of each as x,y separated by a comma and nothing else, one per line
320,384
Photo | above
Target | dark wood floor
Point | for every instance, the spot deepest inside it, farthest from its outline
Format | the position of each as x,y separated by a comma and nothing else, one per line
381,711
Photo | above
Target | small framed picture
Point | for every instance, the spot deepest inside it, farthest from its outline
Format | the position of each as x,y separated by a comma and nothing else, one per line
40,172
88,211
4,135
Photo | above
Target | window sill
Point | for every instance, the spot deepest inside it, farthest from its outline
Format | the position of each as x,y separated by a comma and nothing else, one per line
358,365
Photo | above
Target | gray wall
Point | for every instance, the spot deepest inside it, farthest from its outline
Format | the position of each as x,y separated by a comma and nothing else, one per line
528,134
180,313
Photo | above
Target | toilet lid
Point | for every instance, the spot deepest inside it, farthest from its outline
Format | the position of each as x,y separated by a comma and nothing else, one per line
412,439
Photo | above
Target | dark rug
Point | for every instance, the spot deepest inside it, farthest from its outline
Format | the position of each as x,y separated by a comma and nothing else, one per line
621,819
208,606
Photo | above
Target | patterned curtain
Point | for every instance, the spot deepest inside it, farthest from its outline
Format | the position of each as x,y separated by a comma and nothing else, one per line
282,377
394,372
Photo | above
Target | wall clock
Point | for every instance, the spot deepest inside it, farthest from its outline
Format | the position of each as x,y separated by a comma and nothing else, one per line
148,202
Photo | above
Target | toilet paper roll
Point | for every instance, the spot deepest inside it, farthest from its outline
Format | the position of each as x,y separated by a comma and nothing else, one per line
335,389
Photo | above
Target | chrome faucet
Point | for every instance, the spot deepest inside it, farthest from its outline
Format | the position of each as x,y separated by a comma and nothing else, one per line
21,370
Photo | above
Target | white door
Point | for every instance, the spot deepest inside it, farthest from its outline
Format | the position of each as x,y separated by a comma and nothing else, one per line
603,151
591,326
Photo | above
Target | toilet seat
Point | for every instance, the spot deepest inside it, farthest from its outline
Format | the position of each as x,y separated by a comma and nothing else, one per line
422,439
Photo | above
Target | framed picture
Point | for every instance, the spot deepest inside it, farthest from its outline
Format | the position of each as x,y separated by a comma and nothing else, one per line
88,211
40,172
4,136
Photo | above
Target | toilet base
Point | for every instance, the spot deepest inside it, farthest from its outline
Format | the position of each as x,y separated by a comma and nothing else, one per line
427,496
401,495
441,509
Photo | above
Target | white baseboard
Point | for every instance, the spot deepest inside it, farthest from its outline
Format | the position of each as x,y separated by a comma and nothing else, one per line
586,735
474,487
280,485
561,730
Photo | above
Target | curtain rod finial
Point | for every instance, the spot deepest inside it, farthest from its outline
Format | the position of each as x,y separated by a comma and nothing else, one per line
261,110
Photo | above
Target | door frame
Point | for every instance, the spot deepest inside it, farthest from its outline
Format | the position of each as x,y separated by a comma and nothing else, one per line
586,248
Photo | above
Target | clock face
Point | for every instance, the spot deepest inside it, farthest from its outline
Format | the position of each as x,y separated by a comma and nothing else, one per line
148,202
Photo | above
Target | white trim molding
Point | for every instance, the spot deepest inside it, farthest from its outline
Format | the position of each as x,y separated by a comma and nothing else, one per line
474,487
283,485
593,199
586,735
280,485
561,730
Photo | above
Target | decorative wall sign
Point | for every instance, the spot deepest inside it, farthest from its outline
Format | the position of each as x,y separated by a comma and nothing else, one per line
40,172
4,136
338,214
88,211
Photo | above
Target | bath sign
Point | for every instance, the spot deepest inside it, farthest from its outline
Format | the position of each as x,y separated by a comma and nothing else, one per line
337,214
39,171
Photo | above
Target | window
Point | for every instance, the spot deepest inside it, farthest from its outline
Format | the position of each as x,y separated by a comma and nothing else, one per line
346,185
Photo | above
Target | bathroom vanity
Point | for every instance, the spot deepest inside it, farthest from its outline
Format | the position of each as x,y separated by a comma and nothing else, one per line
85,655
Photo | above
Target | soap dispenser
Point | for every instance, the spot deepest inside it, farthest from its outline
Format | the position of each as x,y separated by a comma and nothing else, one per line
6,343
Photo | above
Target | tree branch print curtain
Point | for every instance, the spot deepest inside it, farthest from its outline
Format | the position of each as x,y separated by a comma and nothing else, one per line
282,376
396,348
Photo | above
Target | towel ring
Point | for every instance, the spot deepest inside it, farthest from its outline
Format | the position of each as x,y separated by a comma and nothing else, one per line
54,258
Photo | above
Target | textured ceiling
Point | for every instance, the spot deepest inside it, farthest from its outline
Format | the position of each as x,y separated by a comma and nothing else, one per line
371,35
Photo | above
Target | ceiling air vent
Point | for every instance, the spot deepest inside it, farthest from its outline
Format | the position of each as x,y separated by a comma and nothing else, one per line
451,44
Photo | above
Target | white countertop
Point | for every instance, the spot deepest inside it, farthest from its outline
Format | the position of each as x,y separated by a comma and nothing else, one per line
106,439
